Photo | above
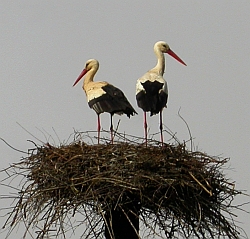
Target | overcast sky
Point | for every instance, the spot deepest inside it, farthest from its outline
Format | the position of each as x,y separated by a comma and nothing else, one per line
45,44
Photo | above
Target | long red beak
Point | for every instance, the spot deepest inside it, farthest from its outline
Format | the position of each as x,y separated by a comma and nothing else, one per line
171,53
80,76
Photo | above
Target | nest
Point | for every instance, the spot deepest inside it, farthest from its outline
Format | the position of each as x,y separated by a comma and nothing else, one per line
180,192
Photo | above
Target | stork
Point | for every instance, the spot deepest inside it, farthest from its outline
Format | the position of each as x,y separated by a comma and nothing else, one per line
151,88
103,97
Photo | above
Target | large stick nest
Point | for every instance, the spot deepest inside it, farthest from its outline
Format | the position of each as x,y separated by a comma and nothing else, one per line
182,193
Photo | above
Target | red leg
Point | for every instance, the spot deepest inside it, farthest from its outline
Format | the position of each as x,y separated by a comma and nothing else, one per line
145,128
111,128
98,128
161,127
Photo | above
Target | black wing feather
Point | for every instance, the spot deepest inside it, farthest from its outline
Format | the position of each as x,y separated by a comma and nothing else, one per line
153,99
114,101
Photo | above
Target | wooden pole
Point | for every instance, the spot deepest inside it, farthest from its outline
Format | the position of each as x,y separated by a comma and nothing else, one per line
122,221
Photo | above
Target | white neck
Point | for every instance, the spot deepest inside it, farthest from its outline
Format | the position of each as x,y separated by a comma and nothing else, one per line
90,75
160,66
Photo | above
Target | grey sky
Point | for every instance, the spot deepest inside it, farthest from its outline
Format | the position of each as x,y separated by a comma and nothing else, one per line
45,44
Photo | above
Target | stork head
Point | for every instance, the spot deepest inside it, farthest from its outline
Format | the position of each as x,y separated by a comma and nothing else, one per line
161,46
91,64
164,48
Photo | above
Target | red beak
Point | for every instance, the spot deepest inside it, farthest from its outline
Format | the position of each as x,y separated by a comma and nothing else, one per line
80,76
171,53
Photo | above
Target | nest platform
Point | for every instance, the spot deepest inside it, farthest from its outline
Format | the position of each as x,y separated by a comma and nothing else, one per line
182,193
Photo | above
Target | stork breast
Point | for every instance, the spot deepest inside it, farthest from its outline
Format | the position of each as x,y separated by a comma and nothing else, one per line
94,92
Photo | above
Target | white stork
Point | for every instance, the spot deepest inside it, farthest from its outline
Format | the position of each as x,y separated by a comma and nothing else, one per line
151,88
102,96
